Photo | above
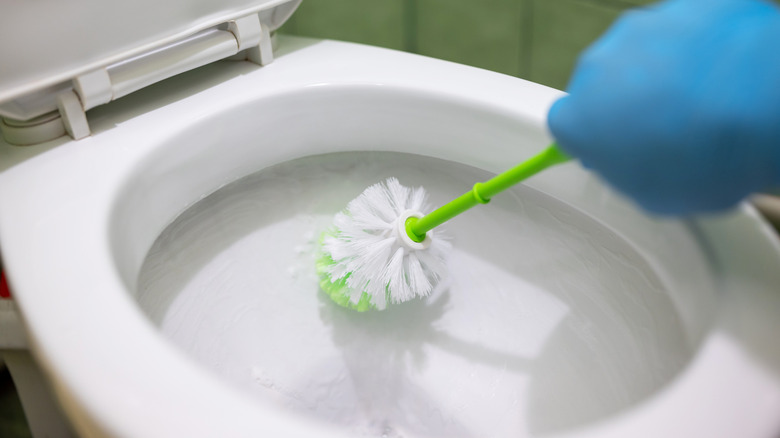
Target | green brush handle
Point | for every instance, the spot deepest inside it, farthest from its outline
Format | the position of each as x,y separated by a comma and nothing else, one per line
482,192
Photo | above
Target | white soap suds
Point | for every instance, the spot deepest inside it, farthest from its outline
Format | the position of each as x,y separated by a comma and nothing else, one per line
550,321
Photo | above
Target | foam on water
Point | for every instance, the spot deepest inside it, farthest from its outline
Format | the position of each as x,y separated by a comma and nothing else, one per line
550,321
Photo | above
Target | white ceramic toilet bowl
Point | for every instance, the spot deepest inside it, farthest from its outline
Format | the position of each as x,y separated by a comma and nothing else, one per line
77,219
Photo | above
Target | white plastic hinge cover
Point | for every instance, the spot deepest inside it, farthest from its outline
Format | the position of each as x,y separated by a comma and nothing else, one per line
254,37
247,30
73,116
93,88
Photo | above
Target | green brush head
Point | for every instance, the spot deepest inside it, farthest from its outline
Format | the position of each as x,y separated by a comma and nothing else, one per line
338,291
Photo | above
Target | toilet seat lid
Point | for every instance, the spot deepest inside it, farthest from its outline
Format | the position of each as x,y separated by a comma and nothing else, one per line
47,42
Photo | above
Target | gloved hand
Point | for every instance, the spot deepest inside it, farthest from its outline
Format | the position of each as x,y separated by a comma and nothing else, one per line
678,104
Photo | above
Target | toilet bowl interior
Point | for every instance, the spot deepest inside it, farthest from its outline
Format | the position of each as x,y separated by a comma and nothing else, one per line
558,313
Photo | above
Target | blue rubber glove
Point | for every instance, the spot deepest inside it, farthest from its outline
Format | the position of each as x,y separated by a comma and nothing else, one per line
678,104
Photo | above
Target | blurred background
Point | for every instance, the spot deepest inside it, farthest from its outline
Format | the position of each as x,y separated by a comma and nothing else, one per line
538,40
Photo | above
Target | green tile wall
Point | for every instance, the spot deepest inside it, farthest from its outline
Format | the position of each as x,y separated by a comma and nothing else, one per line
486,34
534,39
375,22
563,29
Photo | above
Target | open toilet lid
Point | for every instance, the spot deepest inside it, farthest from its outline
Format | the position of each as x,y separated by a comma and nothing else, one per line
48,42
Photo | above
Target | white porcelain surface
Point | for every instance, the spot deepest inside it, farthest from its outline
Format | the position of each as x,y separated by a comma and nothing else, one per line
78,219
91,35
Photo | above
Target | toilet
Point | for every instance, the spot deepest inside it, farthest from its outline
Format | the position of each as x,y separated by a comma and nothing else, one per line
633,325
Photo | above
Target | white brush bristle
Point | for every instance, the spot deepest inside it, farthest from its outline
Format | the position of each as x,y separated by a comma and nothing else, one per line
365,247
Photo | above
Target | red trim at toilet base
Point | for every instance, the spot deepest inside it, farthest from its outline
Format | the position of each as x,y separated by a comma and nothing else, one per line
4,291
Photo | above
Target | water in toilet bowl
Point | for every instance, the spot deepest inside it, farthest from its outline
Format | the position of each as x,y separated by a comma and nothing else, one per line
549,321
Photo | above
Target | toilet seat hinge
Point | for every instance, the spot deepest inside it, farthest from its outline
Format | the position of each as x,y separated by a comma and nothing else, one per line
246,38
74,118
93,88
254,38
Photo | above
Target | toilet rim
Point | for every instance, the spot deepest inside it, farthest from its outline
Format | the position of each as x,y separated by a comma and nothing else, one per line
68,351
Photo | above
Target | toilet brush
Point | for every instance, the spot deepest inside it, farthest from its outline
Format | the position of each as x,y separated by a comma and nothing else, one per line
381,247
